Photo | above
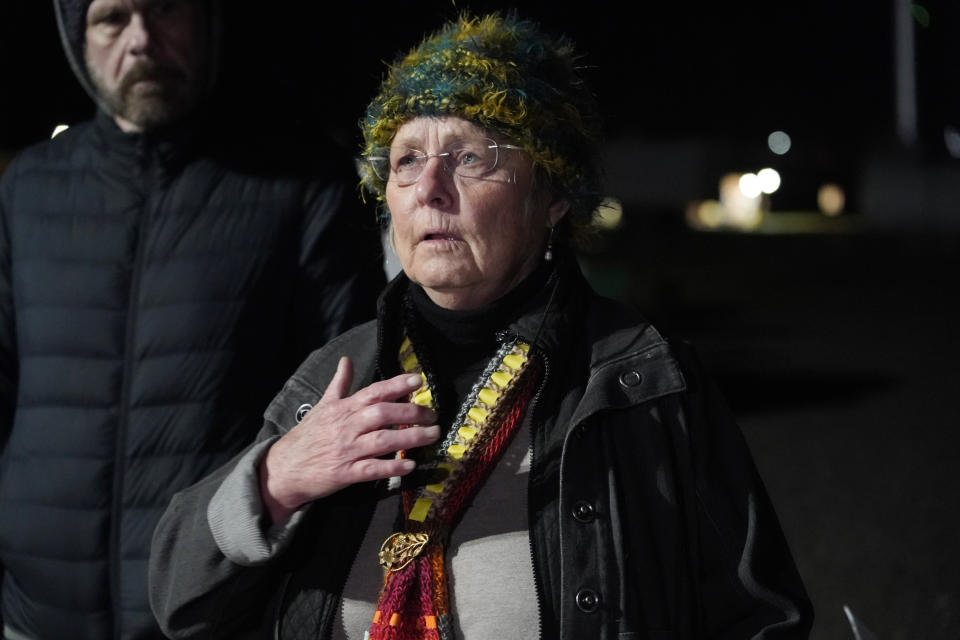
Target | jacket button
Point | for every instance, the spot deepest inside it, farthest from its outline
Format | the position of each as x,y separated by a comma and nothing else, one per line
630,379
302,411
583,512
587,600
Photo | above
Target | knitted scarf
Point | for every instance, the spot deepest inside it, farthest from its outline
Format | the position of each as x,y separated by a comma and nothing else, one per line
413,602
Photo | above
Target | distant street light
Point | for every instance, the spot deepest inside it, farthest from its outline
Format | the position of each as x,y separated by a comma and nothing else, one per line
749,185
779,142
769,180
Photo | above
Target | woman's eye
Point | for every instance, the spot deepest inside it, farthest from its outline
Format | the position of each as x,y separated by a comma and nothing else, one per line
407,160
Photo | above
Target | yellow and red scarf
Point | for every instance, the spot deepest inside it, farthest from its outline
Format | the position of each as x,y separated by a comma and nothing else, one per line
414,601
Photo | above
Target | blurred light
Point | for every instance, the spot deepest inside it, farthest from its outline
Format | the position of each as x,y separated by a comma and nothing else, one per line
735,209
920,14
769,180
708,214
749,185
951,138
830,199
779,142
609,215
740,200
57,130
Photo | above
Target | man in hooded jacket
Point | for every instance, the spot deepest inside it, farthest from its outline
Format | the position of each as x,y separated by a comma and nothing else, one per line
155,291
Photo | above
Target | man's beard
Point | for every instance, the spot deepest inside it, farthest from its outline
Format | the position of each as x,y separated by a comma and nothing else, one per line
169,95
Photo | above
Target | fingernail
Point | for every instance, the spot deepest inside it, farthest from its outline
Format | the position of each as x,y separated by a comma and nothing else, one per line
414,379
408,465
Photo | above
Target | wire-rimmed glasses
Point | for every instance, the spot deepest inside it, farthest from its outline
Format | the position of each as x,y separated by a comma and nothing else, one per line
470,158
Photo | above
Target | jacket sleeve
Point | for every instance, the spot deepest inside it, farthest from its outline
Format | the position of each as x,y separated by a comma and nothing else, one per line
341,261
194,589
748,584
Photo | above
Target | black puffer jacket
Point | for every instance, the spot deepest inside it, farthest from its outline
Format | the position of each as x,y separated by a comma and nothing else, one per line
153,298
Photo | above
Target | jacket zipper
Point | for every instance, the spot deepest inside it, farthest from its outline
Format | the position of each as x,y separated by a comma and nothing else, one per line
116,515
534,404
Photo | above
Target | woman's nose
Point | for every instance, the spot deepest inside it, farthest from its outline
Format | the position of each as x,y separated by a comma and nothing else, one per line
434,187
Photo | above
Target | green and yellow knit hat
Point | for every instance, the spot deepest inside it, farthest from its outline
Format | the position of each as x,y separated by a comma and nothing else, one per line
509,77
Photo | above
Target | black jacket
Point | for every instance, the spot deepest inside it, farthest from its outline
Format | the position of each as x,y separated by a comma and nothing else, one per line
155,291
647,516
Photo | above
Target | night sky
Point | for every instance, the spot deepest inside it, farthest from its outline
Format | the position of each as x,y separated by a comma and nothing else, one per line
717,77
821,70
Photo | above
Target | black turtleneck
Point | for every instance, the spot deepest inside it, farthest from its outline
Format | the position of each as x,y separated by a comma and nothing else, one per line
457,345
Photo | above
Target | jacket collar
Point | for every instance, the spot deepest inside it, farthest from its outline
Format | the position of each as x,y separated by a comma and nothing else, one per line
629,361
165,150
540,321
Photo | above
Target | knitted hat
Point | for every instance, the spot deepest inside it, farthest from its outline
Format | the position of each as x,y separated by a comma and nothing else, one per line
507,76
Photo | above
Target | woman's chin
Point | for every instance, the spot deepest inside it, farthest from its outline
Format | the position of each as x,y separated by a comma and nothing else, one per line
442,282
443,264
449,288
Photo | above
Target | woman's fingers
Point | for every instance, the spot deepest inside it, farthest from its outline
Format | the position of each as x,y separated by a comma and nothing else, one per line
388,414
383,391
388,390
371,408
294,473
345,439
339,385
372,467
378,468
386,441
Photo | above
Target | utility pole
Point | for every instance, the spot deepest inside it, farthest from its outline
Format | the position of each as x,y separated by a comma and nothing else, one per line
905,68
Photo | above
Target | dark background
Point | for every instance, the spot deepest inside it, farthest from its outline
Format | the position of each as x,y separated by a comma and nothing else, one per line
834,340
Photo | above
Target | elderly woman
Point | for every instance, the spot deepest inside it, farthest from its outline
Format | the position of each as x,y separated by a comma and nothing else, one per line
502,454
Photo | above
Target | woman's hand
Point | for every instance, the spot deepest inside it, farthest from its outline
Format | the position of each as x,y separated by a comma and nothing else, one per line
340,441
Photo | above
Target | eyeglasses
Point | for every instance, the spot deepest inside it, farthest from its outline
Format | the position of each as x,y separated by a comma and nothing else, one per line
475,158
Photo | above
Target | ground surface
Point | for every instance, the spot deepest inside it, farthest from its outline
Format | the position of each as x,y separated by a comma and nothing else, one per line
839,355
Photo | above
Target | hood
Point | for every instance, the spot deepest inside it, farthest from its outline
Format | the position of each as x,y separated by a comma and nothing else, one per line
72,22
72,25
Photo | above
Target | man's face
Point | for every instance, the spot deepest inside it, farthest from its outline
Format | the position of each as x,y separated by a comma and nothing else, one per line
146,59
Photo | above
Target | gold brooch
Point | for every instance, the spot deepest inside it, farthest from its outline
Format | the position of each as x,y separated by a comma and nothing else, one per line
400,549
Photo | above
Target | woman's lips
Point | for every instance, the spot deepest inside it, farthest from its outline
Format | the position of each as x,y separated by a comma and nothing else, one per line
440,236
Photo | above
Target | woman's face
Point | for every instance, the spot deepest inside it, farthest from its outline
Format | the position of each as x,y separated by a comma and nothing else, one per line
465,240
